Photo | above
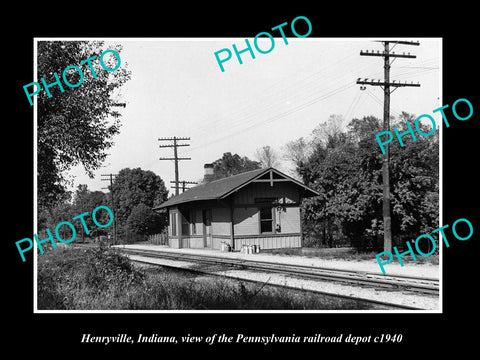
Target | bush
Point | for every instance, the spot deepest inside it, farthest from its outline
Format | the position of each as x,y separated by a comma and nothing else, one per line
67,277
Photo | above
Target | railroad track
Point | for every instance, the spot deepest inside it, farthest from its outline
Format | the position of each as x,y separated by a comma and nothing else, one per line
419,285
381,305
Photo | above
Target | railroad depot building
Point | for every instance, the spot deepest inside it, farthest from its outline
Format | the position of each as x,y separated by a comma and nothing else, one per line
259,207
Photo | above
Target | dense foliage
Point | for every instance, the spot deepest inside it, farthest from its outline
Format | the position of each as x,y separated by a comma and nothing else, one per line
76,126
229,165
144,221
345,167
135,192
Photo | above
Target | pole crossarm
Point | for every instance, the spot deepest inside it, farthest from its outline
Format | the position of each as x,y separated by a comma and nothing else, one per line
175,157
174,138
404,42
183,183
178,158
387,54
383,83
172,145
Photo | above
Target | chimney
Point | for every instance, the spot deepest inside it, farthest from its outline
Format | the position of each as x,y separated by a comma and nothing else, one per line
208,175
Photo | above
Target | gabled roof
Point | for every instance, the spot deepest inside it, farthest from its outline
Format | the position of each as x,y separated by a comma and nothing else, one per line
221,188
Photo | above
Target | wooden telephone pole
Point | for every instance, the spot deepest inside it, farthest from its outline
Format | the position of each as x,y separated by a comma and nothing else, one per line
386,85
175,145
110,177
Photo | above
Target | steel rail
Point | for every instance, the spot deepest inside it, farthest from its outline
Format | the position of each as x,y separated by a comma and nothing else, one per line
293,288
416,284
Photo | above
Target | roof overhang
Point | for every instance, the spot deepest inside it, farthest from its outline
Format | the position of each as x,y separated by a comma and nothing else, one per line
230,185
271,180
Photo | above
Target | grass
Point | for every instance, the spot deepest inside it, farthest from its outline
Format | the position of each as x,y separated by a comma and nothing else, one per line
96,279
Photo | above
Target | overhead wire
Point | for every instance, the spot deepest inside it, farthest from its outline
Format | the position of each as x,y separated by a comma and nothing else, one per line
311,88
256,112
380,102
299,82
358,104
278,90
276,117
251,118
306,91
246,115
357,95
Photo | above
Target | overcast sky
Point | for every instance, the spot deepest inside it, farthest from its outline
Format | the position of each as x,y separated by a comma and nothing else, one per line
177,89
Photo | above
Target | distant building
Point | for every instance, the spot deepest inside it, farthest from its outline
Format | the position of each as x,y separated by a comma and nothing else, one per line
259,207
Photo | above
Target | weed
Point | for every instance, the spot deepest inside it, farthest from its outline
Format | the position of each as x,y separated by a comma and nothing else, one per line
104,279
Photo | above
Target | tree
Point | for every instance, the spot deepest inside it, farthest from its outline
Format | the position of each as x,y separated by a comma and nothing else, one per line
267,156
345,167
297,152
144,221
71,206
415,178
327,133
86,201
76,126
58,209
49,217
133,187
229,165
329,170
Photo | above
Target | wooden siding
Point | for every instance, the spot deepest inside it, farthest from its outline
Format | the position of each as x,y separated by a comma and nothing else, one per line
270,242
248,194
221,221
288,219
173,242
192,242
245,221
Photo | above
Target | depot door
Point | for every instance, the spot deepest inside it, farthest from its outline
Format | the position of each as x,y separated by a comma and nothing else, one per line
207,228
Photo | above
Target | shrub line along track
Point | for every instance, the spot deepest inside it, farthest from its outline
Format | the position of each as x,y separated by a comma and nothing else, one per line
358,278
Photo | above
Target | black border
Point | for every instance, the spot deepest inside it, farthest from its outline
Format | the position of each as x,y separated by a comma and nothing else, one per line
423,333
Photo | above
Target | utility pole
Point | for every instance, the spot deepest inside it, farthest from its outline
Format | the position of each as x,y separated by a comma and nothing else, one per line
175,145
183,182
386,85
110,177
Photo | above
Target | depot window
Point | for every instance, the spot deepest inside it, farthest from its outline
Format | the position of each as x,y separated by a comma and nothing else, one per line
173,222
266,220
185,225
